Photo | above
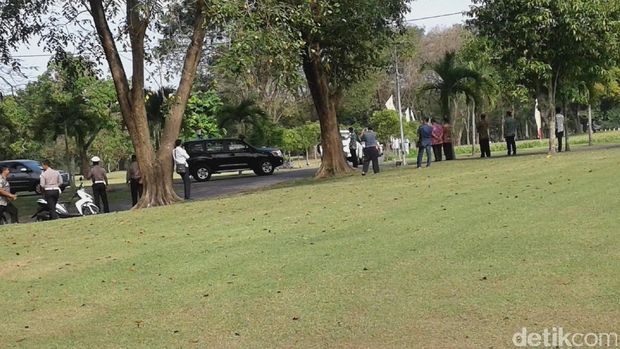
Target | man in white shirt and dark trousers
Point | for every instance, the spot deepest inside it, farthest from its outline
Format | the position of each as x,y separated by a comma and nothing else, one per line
559,127
180,156
50,185
99,177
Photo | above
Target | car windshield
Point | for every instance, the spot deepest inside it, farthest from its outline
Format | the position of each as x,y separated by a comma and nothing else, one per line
35,165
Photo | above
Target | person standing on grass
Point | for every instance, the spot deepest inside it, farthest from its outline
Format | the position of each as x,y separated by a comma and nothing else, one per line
50,185
437,140
510,133
99,176
559,127
180,157
134,179
371,151
483,135
448,148
6,197
425,142
354,139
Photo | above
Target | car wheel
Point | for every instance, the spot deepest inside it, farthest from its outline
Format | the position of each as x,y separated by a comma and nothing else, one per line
203,173
265,167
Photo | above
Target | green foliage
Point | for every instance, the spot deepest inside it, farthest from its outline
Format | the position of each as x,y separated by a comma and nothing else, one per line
200,115
386,124
351,36
248,120
113,146
451,79
309,134
547,40
266,133
291,140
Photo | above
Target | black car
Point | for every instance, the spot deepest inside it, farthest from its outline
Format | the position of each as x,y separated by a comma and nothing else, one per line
221,155
25,175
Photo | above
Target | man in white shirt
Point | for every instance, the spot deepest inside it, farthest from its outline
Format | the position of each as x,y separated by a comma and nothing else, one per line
559,127
181,166
50,185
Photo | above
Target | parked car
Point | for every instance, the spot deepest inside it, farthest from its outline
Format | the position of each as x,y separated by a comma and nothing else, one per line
25,175
211,156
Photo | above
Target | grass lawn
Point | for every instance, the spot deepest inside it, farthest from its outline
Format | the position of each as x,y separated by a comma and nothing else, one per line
462,255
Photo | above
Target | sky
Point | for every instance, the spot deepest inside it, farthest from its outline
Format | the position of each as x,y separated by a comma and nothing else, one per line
429,8
419,9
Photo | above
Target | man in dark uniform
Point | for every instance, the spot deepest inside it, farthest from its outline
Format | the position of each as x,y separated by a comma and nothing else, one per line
134,179
483,135
100,183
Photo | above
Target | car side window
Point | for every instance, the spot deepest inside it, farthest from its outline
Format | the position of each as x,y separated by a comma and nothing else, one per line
17,168
236,146
214,146
195,148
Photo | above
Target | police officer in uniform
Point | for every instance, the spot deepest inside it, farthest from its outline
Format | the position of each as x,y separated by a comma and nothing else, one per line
100,183
50,185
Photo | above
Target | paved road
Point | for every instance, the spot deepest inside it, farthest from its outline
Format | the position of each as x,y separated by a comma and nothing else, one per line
221,185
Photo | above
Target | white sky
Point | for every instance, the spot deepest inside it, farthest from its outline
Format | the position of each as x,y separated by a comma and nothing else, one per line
419,9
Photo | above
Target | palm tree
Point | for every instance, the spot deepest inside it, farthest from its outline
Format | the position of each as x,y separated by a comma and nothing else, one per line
450,80
242,116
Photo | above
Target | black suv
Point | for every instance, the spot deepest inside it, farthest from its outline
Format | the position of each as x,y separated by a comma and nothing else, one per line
25,175
211,156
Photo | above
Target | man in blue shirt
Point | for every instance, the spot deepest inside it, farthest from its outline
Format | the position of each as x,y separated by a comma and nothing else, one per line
425,142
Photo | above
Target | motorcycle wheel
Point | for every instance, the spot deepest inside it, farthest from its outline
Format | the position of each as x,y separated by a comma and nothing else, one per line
89,210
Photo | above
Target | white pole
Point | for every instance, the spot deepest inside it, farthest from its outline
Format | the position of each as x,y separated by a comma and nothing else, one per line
400,114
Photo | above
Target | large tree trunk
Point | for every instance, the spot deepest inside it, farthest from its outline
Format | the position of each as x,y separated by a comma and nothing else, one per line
334,162
156,170
84,163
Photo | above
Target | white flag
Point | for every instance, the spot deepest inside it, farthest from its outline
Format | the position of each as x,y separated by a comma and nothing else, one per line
408,115
390,104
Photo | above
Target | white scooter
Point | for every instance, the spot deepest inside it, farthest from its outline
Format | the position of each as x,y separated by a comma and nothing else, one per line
85,206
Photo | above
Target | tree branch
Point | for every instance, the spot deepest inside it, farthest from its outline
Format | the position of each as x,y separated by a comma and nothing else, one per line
190,65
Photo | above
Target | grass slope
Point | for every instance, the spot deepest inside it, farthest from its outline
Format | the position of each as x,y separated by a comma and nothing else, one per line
462,255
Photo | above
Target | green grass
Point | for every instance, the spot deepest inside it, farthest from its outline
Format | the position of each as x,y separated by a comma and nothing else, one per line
530,146
600,138
462,255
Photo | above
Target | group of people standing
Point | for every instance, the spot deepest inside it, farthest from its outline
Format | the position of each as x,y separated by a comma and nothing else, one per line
436,138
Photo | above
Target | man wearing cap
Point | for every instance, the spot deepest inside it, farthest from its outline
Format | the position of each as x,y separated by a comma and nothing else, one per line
100,182
50,185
